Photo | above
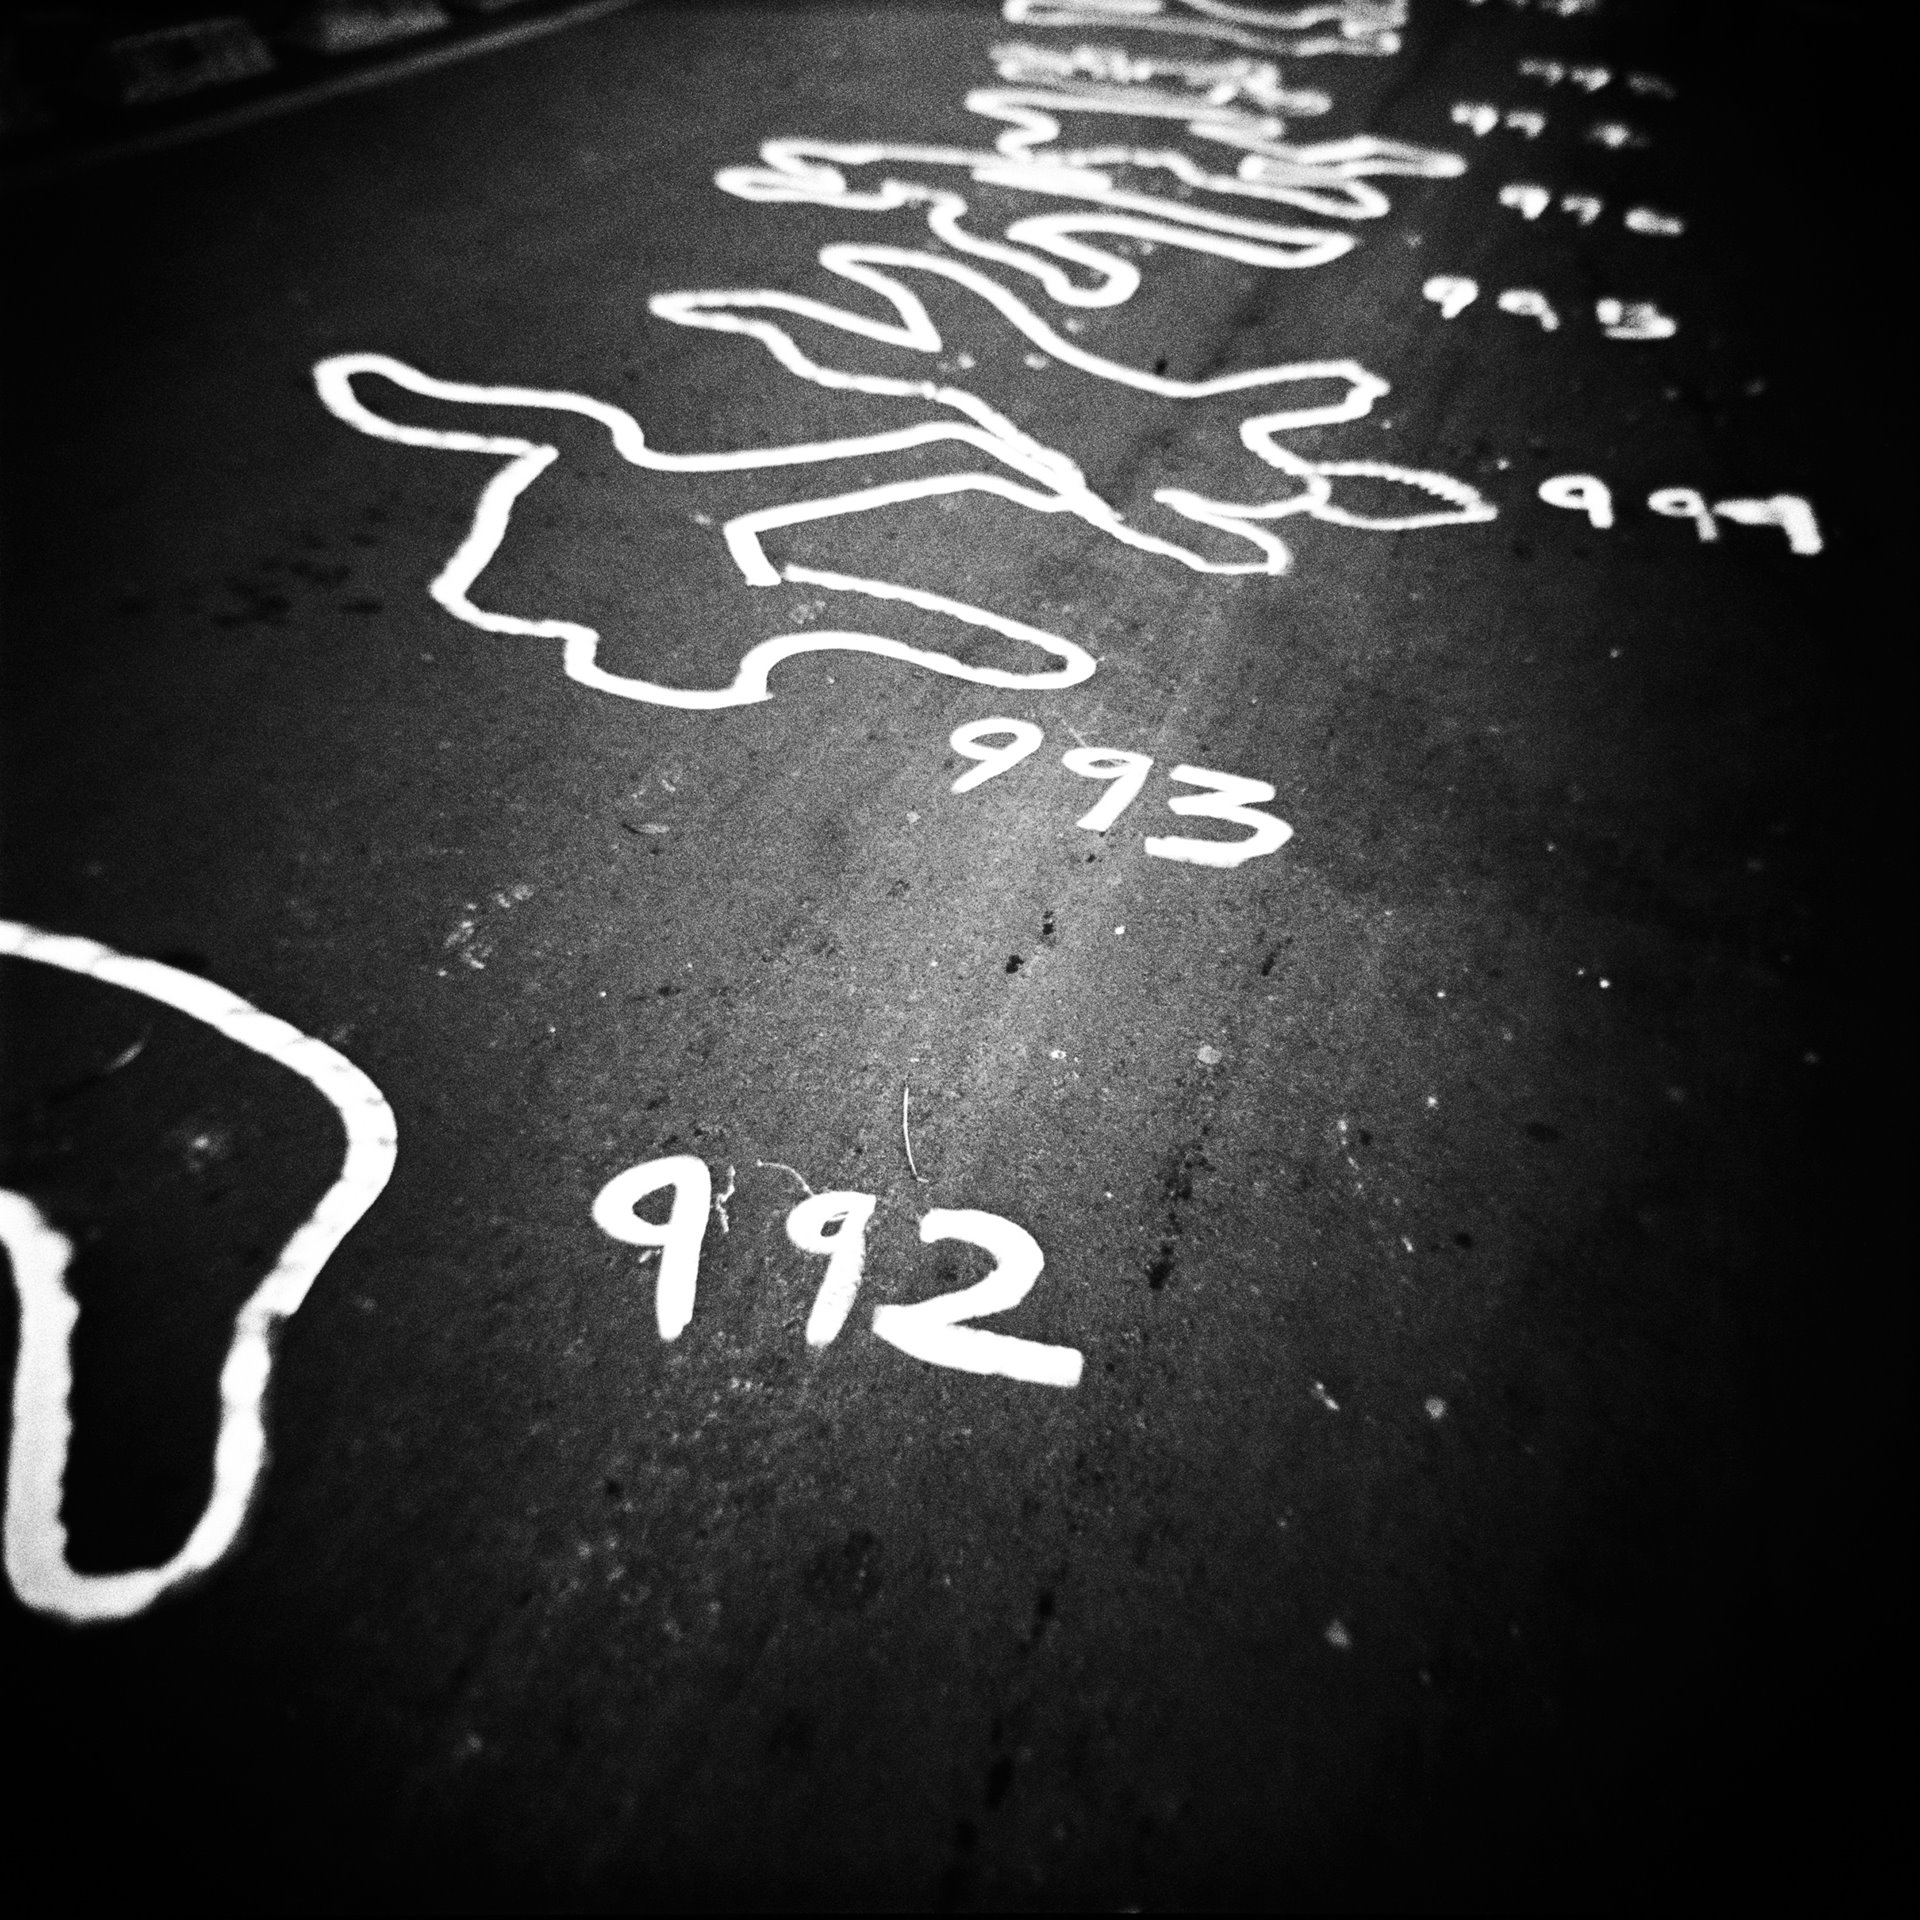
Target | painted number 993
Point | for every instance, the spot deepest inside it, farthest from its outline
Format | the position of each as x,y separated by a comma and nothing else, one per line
1229,796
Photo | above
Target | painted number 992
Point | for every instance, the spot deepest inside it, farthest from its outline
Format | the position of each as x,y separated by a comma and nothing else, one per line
833,1226
1229,796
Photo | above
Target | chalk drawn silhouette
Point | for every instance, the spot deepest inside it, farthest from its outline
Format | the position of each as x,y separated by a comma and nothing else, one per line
1087,208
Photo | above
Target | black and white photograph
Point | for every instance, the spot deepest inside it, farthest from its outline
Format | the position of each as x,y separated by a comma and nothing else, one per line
949,956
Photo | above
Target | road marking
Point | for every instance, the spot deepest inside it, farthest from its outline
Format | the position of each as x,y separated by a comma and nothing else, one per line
36,1537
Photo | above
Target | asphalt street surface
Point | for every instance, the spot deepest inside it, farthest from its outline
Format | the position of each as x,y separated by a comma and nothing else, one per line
1470,1493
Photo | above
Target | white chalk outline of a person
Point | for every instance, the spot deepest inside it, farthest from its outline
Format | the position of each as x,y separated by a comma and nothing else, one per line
1217,84
1052,482
815,179
1327,177
36,1535
1364,26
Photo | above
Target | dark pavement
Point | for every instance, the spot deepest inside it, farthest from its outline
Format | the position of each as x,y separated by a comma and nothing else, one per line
1476,1488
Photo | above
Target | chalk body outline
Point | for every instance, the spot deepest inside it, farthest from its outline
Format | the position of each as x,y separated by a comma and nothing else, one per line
36,1536
1053,247
1362,26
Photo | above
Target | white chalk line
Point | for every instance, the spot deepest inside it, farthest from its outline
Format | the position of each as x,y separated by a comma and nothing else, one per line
1327,178
1219,82
1318,177
527,461
1061,487
1363,26
1041,246
913,328
36,1536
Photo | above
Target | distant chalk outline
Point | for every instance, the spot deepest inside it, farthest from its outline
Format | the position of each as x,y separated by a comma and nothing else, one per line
1363,26
36,1536
1329,179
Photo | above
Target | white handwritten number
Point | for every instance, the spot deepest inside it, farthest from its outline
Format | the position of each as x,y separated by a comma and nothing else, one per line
1685,503
993,760
1529,202
1233,798
1529,303
835,1224
1127,771
1451,294
1634,320
933,1330
679,1237
846,1251
1580,493
1787,511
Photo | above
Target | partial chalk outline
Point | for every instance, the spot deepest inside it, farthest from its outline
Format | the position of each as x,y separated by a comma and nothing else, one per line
1363,26
527,460
1218,82
1328,177
36,1536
